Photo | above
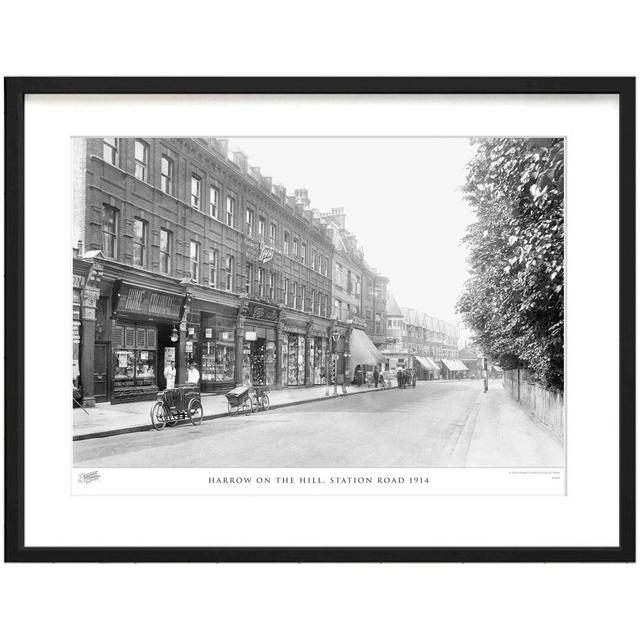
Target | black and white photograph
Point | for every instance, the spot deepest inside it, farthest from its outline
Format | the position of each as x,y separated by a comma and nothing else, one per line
362,320
363,303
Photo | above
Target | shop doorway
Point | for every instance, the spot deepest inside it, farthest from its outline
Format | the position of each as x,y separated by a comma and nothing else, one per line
101,372
166,350
257,357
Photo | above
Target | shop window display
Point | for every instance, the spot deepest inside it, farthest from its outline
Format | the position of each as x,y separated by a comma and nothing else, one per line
319,359
295,363
145,367
134,356
284,359
218,356
124,361
270,362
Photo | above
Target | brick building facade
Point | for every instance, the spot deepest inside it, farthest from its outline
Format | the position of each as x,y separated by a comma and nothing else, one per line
185,253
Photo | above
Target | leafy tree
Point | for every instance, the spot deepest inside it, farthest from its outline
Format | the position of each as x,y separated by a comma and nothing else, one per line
514,299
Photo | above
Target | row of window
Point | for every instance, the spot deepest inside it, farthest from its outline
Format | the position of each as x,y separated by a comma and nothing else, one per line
260,282
167,185
374,327
347,280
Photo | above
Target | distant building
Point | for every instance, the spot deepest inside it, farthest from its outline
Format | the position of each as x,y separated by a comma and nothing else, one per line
472,360
359,301
426,344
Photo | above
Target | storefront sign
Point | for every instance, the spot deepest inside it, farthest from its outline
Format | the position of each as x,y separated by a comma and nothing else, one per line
266,253
260,251
208,333
169,354
359,323
149,303
250,336
259,312
291,329
188,347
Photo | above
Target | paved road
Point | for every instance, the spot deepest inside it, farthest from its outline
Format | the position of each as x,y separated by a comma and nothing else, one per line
437,424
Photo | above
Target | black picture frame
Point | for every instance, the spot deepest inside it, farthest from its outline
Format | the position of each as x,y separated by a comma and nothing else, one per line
15,91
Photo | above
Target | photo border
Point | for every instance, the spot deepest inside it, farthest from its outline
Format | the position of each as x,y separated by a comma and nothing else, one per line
15,91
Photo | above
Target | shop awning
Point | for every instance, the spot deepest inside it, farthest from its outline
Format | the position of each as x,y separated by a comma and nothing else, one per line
362,350
454,365
427,363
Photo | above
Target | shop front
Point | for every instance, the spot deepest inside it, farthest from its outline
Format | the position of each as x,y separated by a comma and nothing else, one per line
218,332
426,368
453,369
319,356
294,346
259,363
143,341
77,283
258,340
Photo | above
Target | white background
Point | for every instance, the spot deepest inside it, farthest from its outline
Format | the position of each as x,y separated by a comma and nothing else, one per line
544,38
587,516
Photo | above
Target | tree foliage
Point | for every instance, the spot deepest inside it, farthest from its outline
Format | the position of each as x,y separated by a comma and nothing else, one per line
514,298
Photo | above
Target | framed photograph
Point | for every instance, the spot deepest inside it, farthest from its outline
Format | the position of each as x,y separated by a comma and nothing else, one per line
320,319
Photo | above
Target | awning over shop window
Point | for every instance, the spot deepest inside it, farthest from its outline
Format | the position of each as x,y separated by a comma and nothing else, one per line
363,350
454,365
427,363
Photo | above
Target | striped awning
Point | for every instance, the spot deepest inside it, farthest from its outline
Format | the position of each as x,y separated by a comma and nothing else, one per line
427,363
363,350
454,365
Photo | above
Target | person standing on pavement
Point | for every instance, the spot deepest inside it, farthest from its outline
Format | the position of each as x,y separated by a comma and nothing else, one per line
376,375
400,377
193,377
170,375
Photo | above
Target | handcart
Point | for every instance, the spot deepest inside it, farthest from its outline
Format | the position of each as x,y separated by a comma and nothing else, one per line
175,404
239,401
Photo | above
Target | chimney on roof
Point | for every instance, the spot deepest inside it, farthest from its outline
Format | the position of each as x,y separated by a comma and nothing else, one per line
302,197
241,159
339,216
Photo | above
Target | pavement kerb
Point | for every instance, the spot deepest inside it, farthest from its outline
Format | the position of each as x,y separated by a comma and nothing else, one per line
213,416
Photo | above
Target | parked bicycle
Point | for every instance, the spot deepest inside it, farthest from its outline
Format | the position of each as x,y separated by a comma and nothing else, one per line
260,399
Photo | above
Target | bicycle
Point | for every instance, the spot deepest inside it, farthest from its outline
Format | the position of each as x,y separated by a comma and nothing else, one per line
261,399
